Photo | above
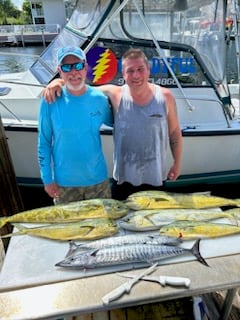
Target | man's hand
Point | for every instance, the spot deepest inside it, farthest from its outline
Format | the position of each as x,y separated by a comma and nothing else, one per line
174,172
52,190
52,90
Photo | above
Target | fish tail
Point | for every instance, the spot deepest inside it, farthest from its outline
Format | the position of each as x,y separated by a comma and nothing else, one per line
6,235
21,231
234,220
237,202
3,221
195,251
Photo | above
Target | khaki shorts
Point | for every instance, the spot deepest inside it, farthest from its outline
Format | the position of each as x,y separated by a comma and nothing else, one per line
70,194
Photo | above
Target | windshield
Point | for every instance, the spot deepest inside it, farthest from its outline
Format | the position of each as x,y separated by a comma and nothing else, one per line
199,24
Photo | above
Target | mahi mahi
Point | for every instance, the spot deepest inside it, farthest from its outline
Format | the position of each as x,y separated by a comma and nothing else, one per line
154,199
88,229
198,229
153,219
122,240
74,211
129,253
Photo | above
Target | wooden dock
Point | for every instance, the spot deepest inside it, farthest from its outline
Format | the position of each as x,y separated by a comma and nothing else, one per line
28,34
10,197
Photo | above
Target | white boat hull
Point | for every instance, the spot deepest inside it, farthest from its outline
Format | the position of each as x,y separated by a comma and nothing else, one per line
206,158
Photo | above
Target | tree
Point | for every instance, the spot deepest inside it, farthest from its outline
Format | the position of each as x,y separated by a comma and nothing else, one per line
8,10
26,12
10,14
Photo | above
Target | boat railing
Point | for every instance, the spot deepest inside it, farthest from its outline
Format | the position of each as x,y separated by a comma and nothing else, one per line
29,28
15,34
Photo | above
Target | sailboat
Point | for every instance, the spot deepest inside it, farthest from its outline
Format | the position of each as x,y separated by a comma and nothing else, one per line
185,42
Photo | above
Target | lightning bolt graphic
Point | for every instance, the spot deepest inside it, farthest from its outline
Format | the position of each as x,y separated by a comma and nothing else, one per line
102,65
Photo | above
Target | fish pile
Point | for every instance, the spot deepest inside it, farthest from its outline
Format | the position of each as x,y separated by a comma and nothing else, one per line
125,250
182,215
82,220
171,213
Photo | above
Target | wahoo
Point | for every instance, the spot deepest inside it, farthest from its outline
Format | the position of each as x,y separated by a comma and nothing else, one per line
122,240
129,253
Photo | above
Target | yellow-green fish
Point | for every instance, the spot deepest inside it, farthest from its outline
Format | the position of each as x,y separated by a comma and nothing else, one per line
154,199
198,229
74,211
153,219
89,229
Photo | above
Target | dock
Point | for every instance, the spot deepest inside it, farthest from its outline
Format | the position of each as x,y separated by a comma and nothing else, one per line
10,197
21,35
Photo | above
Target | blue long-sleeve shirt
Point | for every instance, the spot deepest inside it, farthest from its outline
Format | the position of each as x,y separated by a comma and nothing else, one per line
69,142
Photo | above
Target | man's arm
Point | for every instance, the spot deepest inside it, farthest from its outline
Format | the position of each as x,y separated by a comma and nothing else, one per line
44,151
54,88
175,135
114,94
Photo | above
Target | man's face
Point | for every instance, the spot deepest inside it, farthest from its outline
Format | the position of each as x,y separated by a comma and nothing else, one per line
135,72
73,78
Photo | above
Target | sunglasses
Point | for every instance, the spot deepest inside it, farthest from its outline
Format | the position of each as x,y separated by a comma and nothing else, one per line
69,66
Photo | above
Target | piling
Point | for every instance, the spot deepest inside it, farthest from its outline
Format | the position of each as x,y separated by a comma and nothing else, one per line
10,196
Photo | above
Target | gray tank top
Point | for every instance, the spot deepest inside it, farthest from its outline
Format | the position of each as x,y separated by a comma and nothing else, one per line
141,140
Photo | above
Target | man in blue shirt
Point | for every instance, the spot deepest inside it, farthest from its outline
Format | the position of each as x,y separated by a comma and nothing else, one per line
71,159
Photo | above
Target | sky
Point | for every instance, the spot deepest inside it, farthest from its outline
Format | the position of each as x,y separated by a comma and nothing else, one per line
17,3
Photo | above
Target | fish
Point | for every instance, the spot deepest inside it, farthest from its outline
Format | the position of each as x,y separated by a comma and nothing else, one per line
73,211
125,254
88,229
198,229
154,199
153,219
122,240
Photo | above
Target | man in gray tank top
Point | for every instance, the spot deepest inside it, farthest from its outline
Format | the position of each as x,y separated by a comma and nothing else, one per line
145,123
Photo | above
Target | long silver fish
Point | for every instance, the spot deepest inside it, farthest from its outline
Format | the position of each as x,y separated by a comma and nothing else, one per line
122,240
129,253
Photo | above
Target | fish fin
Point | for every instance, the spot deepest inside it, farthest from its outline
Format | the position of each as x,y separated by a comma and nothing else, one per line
72,247
93,252
195,251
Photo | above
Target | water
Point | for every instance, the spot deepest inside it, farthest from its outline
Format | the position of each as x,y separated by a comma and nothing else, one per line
18,59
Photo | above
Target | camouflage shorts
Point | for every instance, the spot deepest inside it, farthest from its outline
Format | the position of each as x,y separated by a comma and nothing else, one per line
69,194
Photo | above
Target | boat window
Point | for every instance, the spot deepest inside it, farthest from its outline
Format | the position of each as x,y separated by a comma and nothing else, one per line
87,14
195,23
4,91
45,68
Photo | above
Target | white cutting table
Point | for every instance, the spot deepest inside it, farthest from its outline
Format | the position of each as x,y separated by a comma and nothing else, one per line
31,287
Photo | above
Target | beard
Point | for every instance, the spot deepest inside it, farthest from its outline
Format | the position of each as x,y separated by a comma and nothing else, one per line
77,87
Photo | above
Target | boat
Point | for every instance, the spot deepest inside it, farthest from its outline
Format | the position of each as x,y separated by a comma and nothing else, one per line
185,42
